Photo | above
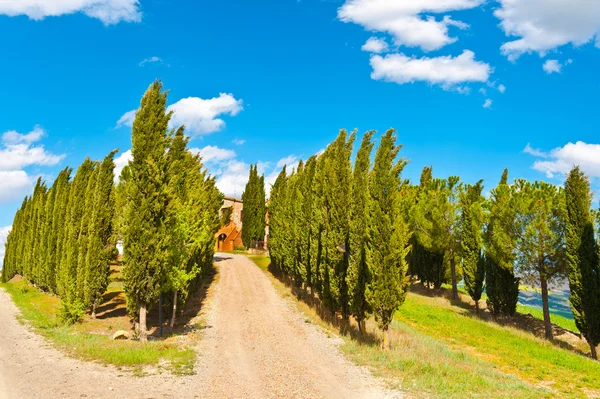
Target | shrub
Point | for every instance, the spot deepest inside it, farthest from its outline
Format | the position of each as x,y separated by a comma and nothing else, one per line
71,312
239,248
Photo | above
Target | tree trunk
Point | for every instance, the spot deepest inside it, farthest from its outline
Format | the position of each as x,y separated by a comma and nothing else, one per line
453,270
143,333
593,351
546,308
172,324
360,330
363,324
385,345
477,306
94,311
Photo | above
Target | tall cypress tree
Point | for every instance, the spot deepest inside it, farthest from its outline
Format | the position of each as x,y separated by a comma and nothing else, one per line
502,288
388,235
358,272
306,222
57,226
67,271
83,238
471,240
100,238
277,222
146,239
582,258
253,219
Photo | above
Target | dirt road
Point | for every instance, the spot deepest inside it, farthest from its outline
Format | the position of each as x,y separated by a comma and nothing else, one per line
256,345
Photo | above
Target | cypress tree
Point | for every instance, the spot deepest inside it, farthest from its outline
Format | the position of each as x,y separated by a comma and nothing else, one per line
583,267
306,221
100,237
277,221
253,218
83,237
502,288
388,235
67,274
57,226
471,240
336,186
194,209
358,273
146,239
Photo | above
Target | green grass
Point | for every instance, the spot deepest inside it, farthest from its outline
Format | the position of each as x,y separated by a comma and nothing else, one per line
444,351
561,321
40,311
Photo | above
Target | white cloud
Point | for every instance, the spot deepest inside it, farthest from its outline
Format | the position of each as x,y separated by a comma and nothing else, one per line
375,45
238,141
3,236
214,154
14,137
17,151
562,159
120,162
107,11
151,60
290,160
487,103
409,21
445,71
201,116
534,151
14,184
544,25
127,119
551,66
501,88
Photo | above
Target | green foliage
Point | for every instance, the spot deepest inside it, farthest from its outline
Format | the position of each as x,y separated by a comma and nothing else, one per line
146,235
582,258
358,272
502,287
388,234
70,313
328,223
471,240
253,219
435,220
226,214
101,239
194,211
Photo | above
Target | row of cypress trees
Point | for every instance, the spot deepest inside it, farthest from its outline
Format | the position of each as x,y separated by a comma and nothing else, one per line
165,210
168,212
341,230
349,232
62,237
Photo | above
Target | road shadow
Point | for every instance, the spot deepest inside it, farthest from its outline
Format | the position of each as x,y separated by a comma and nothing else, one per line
186,321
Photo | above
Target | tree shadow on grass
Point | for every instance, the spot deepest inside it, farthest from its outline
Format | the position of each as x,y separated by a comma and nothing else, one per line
564,338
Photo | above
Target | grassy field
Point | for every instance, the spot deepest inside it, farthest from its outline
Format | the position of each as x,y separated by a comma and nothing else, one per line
91,340
444,351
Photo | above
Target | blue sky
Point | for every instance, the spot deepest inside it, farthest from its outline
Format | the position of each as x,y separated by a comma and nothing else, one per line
468,84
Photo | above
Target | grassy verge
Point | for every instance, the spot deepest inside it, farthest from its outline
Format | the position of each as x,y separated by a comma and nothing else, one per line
40,311
444,351
561,321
